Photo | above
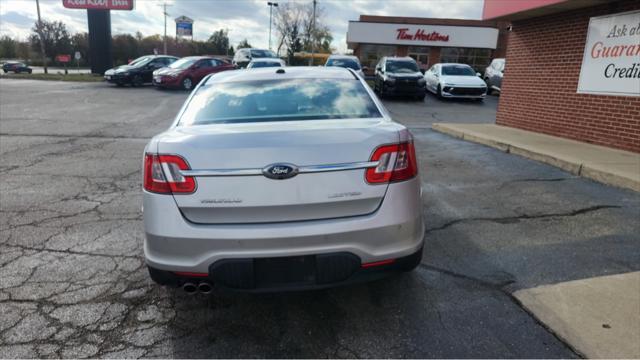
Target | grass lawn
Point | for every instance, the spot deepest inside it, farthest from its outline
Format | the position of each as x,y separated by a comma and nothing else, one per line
55,77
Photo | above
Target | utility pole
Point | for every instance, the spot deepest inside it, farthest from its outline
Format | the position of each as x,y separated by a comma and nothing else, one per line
271,5
44,55
164,11
313,31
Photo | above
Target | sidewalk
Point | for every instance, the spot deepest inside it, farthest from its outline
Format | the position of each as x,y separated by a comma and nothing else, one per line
599,317
599,163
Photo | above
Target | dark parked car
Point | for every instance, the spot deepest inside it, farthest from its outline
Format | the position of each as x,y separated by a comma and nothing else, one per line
399,76
188,71
139,71
16,67
243,56
493,75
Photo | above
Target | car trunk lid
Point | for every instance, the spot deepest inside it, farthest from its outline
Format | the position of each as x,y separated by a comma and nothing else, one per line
228,161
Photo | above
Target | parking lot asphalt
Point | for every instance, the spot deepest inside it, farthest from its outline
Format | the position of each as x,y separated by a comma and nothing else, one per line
73,281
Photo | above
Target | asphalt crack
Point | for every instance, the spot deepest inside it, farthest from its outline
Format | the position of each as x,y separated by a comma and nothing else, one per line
514,219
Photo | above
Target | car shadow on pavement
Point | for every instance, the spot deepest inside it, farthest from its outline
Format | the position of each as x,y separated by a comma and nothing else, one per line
421,314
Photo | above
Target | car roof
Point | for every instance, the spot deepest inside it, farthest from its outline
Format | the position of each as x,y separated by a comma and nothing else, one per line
266,60
338,56
445,64
399,58
297,72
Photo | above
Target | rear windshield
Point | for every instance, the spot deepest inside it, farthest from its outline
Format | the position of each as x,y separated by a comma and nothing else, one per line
263,54
260,64
345,63
279,100
458,70
183,63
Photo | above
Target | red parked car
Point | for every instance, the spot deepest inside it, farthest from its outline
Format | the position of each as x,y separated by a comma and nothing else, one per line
188,71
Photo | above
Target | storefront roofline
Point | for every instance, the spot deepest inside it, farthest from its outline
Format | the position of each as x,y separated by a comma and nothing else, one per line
425,21
510,10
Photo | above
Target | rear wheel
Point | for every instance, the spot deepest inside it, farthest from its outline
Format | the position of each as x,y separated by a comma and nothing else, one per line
30,71
187,83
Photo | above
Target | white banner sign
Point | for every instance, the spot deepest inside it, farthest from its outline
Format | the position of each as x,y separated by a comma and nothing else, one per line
611,61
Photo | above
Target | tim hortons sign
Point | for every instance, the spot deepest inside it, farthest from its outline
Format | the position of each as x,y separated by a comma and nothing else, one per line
421,35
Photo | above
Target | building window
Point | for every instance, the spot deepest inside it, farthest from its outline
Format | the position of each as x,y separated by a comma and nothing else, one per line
421,55
371,54
478,59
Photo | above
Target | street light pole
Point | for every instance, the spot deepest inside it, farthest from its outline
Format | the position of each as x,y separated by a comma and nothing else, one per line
44,55
313,31
271,5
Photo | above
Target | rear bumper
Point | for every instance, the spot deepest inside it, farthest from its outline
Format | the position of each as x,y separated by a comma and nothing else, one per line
173,243
273,274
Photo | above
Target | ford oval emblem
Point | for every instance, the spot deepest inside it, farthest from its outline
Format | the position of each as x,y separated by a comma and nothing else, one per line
280,171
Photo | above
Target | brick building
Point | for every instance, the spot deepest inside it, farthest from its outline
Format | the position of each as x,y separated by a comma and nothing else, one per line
428,41
572,69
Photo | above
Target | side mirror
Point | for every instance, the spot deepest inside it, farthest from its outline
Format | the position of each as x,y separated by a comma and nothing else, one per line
478,74
365,68
422,71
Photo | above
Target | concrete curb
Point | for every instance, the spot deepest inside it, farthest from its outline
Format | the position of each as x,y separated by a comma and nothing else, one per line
566,162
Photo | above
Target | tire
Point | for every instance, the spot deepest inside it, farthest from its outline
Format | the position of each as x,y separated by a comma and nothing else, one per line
439,92
119,84
136,81
187,84
5,71
30,71
489,89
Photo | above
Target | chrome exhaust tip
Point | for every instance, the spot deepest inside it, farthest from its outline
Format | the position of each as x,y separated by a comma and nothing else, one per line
205,288
189,288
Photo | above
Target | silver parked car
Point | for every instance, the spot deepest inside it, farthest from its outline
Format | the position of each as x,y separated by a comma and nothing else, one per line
281,178
493,75
346,61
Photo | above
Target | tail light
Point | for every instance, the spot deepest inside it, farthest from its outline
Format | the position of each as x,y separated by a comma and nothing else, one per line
162,175
396,162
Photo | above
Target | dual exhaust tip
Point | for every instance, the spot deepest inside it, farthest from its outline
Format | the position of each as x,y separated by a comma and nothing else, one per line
192,288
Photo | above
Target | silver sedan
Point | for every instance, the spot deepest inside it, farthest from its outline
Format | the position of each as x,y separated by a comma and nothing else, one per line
281,178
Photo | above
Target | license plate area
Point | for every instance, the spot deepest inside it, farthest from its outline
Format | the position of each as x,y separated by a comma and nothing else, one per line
284,272
292,270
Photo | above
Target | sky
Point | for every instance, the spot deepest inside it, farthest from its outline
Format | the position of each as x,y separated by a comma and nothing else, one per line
243,18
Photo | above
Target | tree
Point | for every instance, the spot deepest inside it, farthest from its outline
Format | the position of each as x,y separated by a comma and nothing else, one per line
295,28
293,41
316,36
56,37
80,43
244,44
125,47
7,47
219,42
